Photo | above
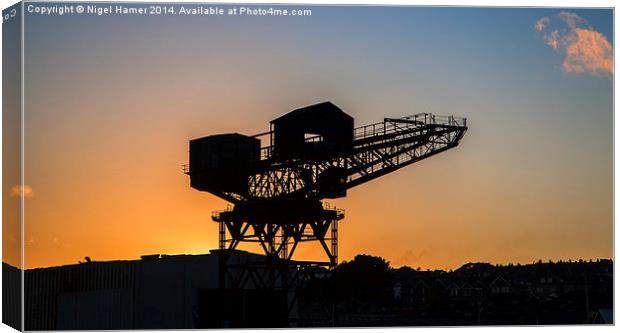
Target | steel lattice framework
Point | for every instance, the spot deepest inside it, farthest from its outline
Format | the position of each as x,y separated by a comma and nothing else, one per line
282,203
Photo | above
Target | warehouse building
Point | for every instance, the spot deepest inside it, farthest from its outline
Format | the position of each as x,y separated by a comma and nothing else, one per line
155,292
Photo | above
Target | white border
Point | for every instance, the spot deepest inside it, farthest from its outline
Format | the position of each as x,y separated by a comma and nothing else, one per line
474,3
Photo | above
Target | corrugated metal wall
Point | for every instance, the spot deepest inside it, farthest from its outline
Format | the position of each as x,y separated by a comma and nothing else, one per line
153,293
44,286
11,296
110,309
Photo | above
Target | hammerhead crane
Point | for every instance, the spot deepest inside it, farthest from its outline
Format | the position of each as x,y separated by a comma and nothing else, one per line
313,153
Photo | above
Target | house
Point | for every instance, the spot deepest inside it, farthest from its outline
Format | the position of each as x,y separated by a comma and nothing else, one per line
500,286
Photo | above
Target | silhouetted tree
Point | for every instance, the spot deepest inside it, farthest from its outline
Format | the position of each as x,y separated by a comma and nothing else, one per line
365,278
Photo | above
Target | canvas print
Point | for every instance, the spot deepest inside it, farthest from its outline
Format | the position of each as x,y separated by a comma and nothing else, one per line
221,165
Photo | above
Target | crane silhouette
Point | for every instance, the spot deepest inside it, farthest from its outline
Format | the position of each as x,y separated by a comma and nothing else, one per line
311,154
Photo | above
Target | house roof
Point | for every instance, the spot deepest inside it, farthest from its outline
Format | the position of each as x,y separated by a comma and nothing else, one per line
500,281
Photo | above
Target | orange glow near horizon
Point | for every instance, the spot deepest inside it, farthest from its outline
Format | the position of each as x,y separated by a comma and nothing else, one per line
411,217
112,105
124,195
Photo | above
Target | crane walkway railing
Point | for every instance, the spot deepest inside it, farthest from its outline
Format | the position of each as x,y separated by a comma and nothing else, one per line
387,127
393,125
338,213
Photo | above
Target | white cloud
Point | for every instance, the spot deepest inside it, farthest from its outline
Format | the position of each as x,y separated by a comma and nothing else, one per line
585,50
588,51
572,19
553,39
541,24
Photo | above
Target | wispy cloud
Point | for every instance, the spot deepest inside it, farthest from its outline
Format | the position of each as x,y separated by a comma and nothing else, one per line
541,23
572,19
553,39
585,50
22,191
410,257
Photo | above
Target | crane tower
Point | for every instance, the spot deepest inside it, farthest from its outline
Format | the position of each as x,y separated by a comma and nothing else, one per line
310,154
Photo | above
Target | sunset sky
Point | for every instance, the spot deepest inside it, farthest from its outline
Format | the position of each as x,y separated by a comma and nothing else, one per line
112,101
